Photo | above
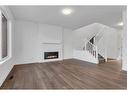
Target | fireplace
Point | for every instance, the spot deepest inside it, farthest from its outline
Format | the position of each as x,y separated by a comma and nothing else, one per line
51,55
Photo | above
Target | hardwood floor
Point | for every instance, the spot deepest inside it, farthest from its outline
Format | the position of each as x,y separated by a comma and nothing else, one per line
67,74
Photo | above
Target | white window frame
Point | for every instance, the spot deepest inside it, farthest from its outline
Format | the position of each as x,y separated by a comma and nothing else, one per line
9,48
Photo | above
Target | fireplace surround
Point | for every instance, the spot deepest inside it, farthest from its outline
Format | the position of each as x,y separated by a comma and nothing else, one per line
51,52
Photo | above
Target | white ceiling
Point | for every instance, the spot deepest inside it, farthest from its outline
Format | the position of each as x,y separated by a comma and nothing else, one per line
81,16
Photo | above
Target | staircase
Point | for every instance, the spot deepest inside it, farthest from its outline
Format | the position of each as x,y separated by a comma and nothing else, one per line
92,47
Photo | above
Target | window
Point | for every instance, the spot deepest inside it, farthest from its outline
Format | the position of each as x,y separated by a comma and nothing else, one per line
3,36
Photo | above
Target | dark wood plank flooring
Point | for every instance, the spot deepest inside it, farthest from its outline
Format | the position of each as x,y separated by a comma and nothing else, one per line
67,74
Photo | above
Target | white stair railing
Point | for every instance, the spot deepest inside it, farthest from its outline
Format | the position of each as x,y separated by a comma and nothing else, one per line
91,48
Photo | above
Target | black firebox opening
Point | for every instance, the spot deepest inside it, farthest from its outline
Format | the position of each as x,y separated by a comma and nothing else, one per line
51,55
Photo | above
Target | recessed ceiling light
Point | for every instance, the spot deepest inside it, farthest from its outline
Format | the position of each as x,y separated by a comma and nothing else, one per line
67,11
120,24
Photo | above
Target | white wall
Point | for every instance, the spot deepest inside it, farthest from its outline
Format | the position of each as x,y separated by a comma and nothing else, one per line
49,33
88,31
124,41
119,43
68,43
109,43
6,66
30,36
113,46
26,46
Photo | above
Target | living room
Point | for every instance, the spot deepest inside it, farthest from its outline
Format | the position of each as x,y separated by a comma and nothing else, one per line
51,47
